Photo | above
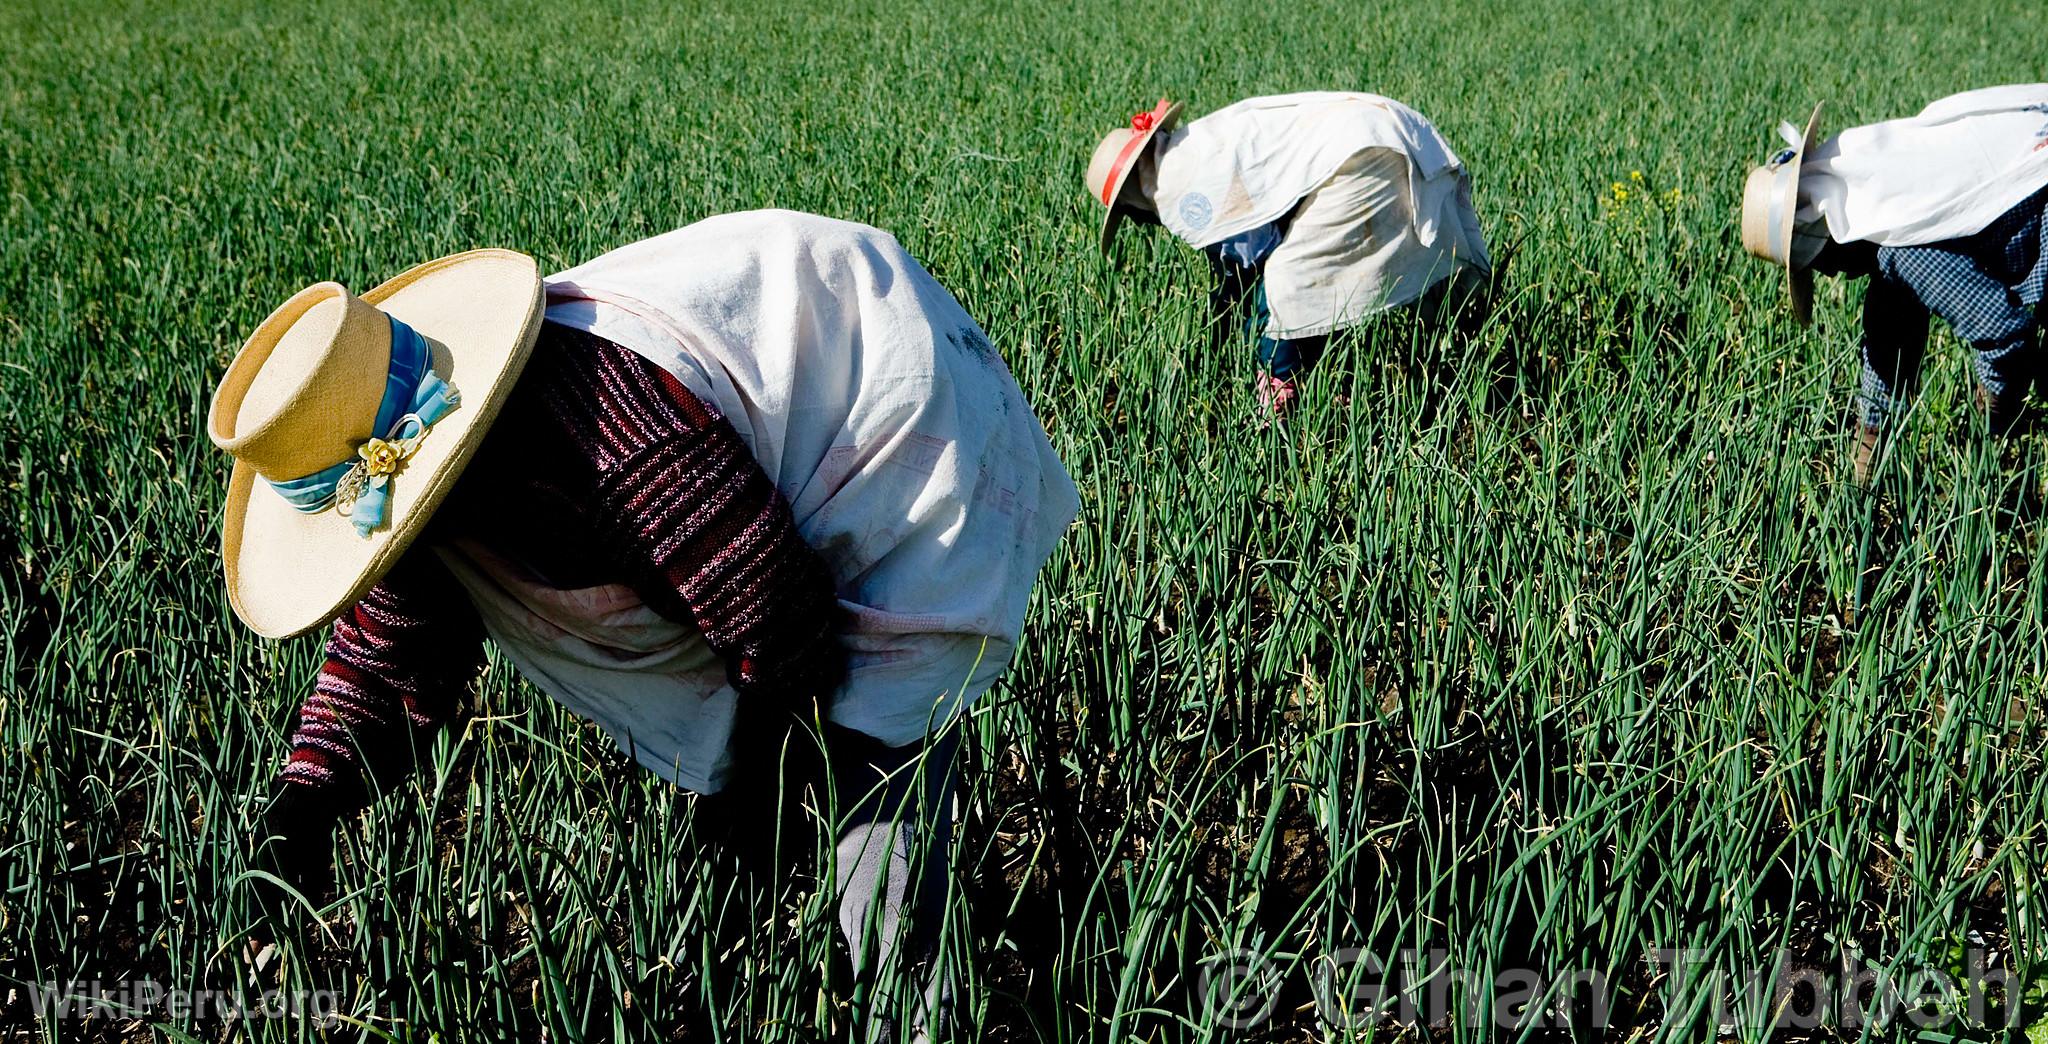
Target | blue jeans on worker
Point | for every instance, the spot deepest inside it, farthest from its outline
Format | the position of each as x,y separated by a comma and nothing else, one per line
1238,310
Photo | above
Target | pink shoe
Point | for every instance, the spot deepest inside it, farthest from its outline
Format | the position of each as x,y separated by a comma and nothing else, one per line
1276,397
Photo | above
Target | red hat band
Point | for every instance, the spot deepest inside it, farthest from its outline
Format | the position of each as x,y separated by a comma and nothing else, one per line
1143,123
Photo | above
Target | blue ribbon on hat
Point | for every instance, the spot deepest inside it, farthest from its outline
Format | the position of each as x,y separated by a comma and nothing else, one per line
414,398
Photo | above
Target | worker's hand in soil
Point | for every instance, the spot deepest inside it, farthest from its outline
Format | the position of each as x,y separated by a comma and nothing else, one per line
1276,397
292,852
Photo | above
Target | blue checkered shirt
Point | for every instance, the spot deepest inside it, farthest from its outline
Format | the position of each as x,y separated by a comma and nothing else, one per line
1986,286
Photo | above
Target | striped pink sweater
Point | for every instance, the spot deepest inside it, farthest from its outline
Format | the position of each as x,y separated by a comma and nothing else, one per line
601,468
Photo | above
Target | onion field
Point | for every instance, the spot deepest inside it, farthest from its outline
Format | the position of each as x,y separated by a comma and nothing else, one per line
1557,683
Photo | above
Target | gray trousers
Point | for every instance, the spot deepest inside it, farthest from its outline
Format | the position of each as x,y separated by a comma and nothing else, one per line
889,812
893,831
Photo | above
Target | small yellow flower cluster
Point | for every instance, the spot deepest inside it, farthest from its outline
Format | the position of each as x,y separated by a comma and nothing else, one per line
1632,199
1622,190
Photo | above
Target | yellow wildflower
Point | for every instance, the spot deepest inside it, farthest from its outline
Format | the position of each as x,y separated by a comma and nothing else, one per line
1636,176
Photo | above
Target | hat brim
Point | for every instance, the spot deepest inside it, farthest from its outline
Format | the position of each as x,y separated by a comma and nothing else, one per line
1799,288
1113,212
288,571
1799,281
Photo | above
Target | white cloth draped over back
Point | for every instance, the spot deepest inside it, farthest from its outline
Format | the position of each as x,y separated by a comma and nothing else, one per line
1352,249
1247,164
909,456
1943,174
1389,210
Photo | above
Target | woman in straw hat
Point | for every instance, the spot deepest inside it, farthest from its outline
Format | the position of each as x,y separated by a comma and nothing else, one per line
1316,211
1943,213
763,465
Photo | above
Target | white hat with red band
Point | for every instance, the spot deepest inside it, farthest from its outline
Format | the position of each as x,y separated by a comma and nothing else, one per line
1117,156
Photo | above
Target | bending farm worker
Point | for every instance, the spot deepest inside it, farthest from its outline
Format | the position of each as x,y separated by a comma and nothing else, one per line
758,470
1317,211
1942,213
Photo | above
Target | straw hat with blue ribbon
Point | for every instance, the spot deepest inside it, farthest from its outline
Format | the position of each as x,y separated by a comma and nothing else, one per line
350,418
1770,208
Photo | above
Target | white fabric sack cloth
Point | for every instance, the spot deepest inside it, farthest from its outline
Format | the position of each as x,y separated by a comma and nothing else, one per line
1943,174
905,448
1248,164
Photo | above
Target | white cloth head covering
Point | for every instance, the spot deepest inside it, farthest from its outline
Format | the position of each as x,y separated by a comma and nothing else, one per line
1946,173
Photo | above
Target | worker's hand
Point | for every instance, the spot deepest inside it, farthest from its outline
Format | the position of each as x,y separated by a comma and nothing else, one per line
1277,397
2007,415
1864,461
292,848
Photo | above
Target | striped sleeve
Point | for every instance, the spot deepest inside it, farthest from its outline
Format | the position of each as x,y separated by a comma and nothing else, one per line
398,663
680,499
